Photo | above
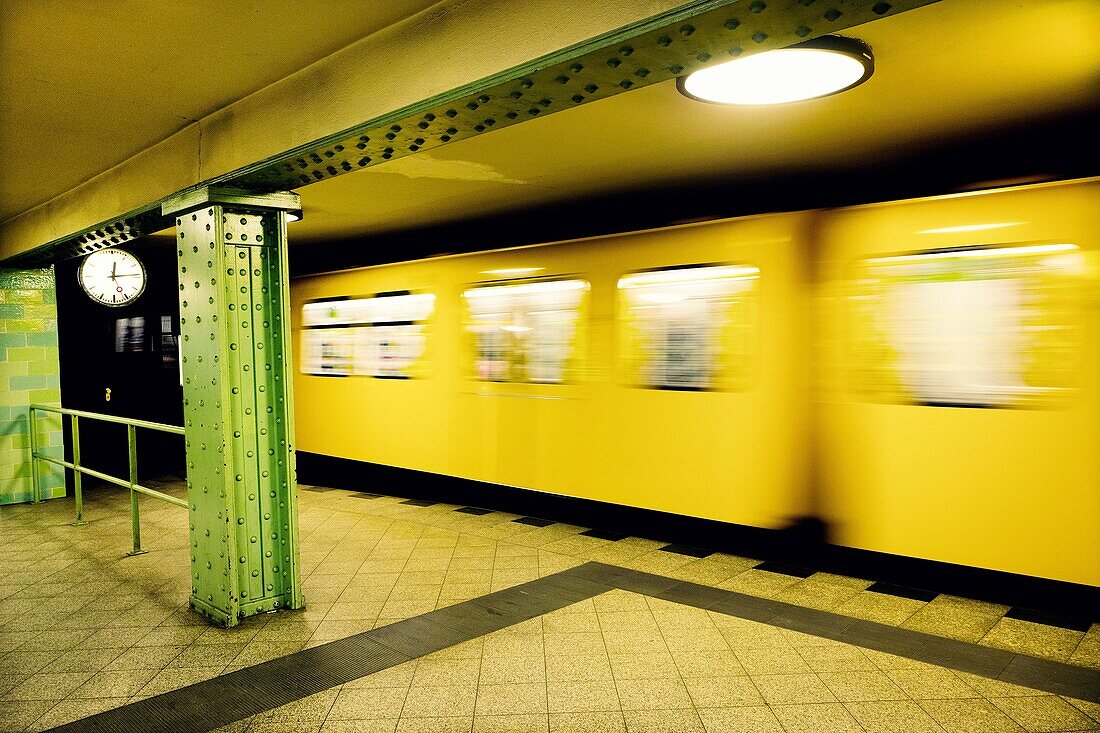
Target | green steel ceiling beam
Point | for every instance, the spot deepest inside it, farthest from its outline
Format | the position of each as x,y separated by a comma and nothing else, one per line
650,51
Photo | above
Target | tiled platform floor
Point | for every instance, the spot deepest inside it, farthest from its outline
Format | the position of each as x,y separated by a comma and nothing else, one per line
84,628
626,662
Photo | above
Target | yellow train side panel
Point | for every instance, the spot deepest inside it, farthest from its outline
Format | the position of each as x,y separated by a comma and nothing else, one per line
1007,489
733,456
1016,490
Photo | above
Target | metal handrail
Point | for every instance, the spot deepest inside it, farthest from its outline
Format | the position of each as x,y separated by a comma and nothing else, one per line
132,483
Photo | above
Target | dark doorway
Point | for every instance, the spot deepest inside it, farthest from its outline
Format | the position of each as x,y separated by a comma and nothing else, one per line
124,361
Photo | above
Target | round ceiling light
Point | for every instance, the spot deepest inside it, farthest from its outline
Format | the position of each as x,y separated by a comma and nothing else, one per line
808,70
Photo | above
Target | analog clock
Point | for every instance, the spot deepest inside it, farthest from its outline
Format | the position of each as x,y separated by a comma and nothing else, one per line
112,277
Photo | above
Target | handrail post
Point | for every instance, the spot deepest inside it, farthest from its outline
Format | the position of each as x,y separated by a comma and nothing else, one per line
33,423
135,517
78,493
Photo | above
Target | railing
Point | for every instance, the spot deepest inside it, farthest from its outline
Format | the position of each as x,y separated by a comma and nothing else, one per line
132,484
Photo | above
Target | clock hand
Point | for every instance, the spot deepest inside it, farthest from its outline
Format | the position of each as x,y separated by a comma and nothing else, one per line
114,265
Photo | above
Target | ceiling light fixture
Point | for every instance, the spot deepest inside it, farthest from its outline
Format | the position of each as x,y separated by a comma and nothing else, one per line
971,228
808,70
513,271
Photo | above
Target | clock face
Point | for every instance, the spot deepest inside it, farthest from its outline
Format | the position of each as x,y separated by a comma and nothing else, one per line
112,277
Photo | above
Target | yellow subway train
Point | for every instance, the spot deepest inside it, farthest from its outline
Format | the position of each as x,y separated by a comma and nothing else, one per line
923,376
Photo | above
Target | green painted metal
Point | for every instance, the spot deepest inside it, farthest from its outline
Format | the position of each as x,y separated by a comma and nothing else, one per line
135,510
35,490
237,402
159,426
666,46
78,477
37,455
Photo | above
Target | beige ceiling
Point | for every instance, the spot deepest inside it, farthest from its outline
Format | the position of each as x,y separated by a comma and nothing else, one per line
950,69
110,78
85,84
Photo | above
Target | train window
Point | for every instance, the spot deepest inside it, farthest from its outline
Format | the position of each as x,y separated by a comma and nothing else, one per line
382,336
526,332
689,328
973,327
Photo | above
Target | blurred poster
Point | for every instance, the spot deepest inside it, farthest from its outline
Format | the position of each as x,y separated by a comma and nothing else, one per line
689,328
984,327
328,352
382,336
527,332
129,334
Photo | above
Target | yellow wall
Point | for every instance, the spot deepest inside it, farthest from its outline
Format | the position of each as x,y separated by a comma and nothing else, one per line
1007,489
711,454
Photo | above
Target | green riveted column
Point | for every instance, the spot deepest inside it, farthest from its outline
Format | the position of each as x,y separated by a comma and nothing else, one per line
238,407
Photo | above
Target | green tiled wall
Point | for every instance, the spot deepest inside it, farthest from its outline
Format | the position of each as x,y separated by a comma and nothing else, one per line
29,373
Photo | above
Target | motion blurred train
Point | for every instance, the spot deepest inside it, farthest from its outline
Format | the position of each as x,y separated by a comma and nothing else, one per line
920,377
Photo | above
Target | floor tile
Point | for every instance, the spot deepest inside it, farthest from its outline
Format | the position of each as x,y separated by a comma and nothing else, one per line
884,609
831,717
509,699
578,668
368,703
70,710
722,692
592,722
441,672
956,618
576,697
653,694
663,721
931,684
707,663
749,719
1037,640
792,689
533,723
48,686
15,715
892,716
970,716
644,666
866,686
759,583
1043,714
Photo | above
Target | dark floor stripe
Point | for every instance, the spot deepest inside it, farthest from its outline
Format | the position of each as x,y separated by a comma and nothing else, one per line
902,591
365,495
419,502
603,534
1039,674
534,521
783,569
223,700
1049,619
477,511
687,550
